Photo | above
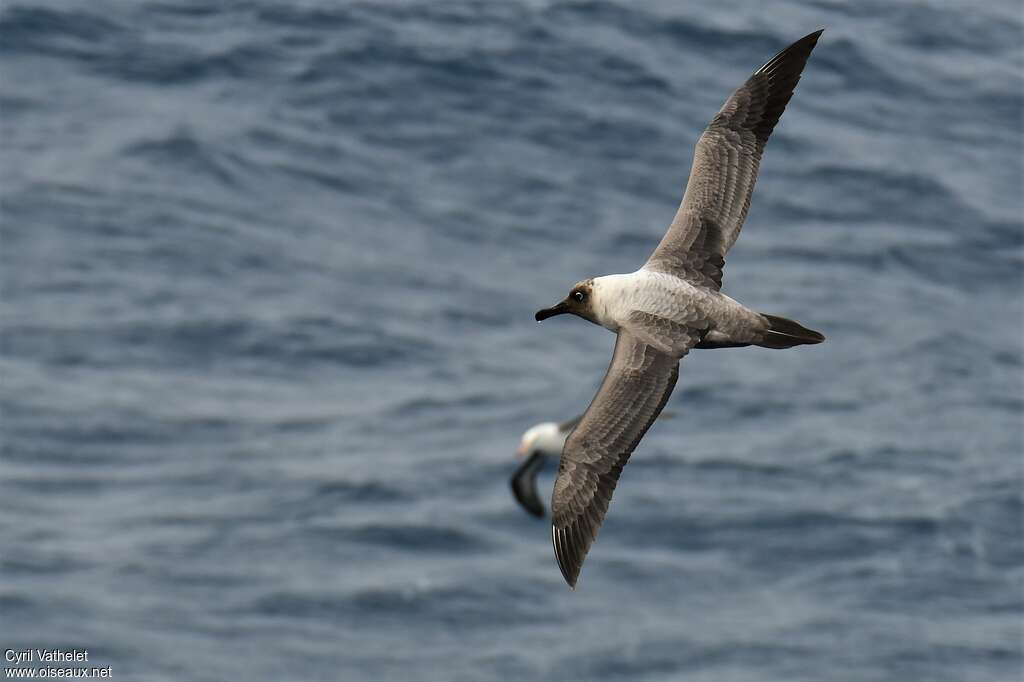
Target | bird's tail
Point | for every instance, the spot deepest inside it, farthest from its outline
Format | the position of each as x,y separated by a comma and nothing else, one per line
785,333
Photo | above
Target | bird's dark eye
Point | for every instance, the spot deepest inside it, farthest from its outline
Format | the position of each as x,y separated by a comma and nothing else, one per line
579,296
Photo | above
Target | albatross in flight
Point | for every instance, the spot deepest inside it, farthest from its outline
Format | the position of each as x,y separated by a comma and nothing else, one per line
538,443
670,305
541,442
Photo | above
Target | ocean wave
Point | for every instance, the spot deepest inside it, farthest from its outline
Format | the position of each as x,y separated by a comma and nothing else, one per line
213,342
413,538
458,606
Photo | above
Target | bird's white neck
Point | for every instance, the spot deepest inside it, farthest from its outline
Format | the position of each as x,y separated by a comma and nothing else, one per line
610,296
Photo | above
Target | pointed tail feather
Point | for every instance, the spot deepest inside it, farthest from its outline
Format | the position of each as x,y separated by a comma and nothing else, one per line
785,333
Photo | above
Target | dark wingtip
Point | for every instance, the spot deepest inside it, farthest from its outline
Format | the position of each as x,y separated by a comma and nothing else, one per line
794,56
809,40
781,73
812,38
524,485
566,553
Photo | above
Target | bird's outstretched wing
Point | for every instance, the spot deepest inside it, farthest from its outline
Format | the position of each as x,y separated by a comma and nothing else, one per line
638,383
725,164
524,484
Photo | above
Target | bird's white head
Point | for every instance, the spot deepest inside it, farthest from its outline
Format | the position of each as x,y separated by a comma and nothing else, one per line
544,437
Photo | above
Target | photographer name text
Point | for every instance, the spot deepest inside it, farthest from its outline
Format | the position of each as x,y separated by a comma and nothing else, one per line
45,655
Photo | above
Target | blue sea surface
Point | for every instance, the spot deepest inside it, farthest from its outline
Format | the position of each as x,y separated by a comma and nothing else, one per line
268,277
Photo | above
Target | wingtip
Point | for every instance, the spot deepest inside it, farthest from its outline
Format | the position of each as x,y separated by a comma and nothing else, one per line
570,576
795,55
524,485
811,39
570,569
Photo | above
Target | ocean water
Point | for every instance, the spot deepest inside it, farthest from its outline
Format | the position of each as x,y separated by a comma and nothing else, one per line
268,277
